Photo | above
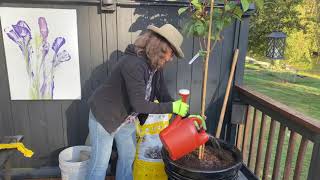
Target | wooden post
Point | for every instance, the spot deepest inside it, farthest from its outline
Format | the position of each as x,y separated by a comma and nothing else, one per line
276,167
269,149
301,154
253,143
314,172
257,169
205,73
287,169
226,97
246,134
240,136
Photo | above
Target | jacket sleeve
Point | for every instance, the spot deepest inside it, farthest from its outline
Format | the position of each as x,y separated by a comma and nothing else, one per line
162,92
133,75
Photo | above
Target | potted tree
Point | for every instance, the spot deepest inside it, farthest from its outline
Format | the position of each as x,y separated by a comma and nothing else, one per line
217,159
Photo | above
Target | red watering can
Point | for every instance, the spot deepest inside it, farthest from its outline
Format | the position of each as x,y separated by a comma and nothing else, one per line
181,136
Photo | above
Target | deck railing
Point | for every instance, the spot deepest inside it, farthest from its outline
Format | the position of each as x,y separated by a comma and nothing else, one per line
263,138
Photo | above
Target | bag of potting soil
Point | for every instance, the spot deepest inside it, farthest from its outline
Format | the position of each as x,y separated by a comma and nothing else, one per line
148,164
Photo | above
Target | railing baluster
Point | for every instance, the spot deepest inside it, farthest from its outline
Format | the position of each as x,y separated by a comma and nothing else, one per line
296,122
246,134
287,169
257,169
299,163
240,136
253,139
276,167
269,149
314,172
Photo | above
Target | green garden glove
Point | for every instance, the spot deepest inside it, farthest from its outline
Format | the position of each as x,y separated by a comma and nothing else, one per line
180,108
203,124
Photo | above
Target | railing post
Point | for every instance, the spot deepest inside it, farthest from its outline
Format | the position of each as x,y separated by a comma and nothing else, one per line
246,134
276,167
301,155
314,172
237,118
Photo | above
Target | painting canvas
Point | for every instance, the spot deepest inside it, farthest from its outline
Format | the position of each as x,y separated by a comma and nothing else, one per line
41,49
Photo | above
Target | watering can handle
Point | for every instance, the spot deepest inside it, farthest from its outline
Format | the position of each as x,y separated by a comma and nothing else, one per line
197,122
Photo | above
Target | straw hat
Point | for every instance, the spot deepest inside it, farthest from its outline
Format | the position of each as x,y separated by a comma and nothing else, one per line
172,35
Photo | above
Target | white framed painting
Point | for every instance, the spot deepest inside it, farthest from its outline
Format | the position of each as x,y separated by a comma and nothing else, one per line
41,50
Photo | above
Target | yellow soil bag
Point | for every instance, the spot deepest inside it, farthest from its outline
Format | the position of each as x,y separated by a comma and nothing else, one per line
148,164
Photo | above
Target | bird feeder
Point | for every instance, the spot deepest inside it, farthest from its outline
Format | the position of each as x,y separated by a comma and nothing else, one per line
276,45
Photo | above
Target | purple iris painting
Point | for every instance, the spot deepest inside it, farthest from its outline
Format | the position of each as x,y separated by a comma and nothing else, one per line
41,57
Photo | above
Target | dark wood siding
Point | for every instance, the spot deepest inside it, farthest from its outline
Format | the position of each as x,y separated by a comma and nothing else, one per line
49,126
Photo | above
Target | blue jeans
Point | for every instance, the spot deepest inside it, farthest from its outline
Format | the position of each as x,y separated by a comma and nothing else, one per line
101,142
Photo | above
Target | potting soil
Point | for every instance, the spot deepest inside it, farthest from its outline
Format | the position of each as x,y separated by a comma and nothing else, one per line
214,159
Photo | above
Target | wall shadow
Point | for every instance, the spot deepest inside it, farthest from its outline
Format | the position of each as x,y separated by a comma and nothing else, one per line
78,112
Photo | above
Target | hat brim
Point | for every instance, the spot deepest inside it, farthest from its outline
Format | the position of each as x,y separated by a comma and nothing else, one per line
177,49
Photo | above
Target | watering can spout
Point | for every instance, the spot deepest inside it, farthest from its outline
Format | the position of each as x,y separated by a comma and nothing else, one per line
203,137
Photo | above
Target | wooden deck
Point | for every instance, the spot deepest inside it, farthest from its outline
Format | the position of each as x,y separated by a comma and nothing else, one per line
107,178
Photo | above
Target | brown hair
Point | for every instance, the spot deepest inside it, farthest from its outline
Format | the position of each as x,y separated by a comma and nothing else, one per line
153,46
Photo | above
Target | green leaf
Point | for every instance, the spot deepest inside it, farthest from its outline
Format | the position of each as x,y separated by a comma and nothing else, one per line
196,4
199,28
227,21
237,17
237,13
232,4
190,31
259,3
206,25
182,10
227,7
185,29
202,53
219,24
216,35
245,5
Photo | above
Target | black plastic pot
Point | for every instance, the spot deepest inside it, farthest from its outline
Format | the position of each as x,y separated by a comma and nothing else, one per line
177,172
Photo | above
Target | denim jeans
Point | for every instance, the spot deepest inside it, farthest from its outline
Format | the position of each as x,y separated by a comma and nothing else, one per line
101,142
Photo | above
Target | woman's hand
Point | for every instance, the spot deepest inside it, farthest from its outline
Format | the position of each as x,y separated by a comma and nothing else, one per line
180,108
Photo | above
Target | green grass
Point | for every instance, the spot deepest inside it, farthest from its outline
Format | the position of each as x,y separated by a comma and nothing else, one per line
300,93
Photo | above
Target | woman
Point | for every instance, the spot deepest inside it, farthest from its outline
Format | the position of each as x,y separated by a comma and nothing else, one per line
135,82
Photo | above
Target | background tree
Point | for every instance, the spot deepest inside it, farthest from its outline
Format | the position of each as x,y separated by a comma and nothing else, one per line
299,19
275,15
302,44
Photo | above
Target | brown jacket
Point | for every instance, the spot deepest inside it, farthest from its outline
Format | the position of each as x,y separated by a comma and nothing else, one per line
124,92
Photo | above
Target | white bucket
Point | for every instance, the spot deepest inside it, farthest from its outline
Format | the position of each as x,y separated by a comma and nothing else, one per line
73,162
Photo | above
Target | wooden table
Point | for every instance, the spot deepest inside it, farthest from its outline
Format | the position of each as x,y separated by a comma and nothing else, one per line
6,154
